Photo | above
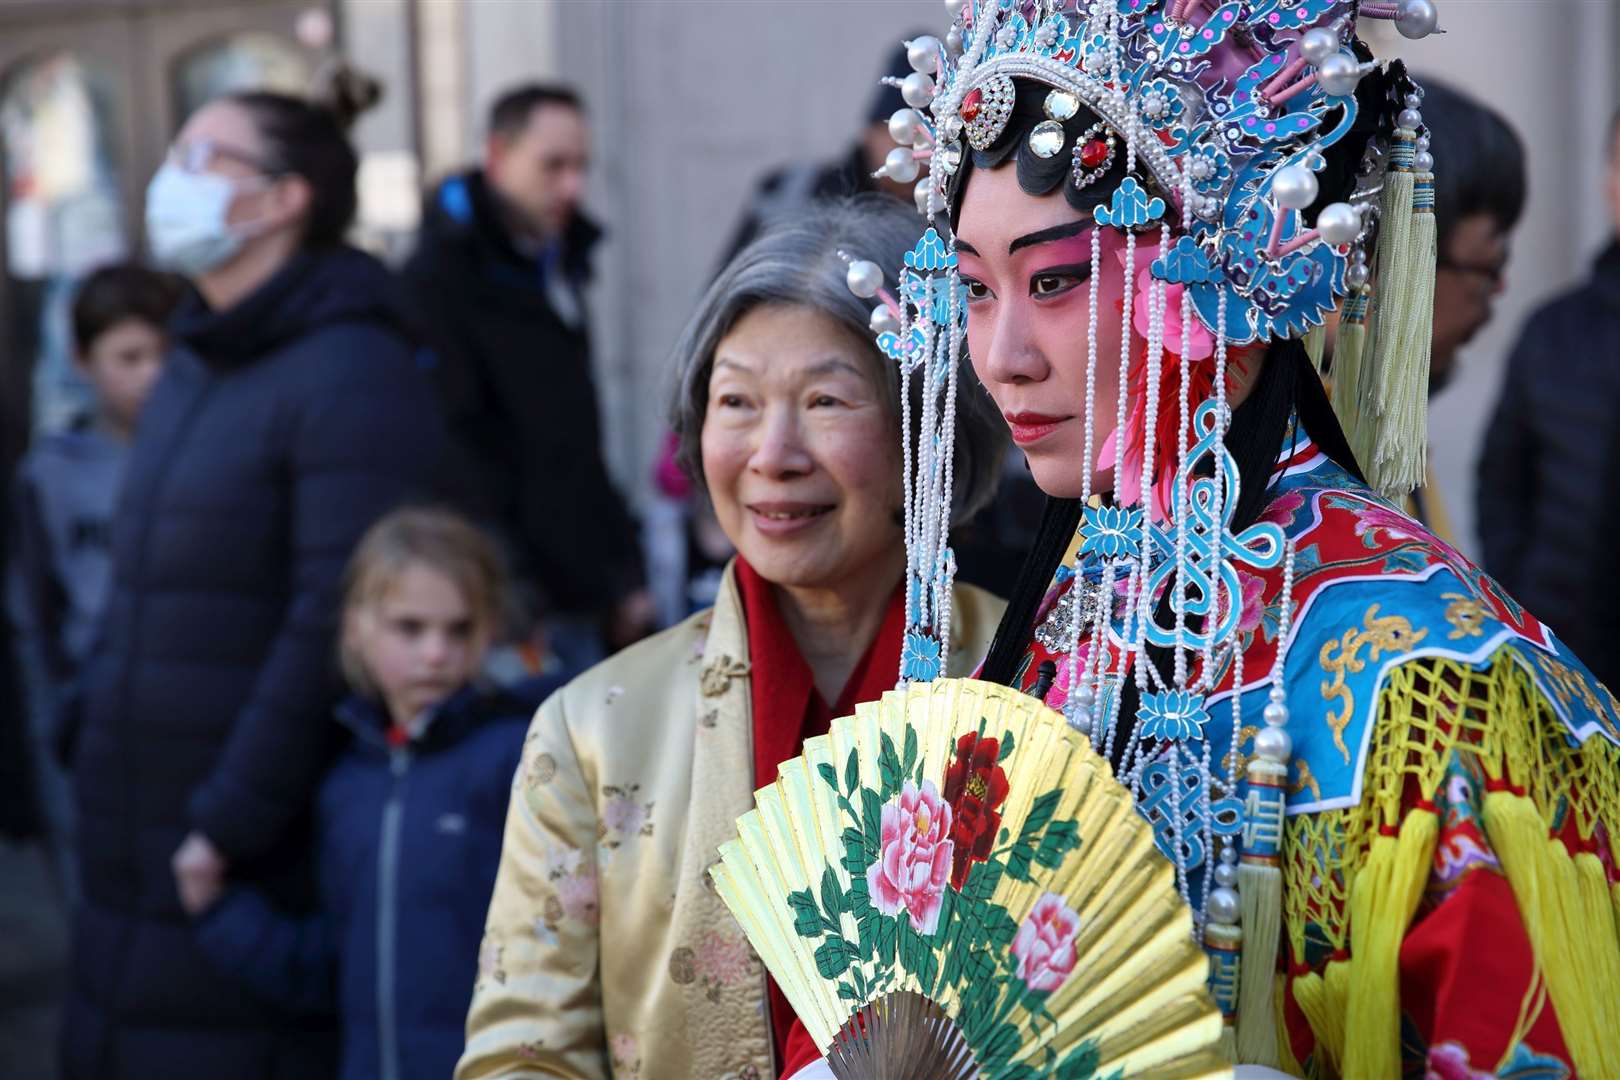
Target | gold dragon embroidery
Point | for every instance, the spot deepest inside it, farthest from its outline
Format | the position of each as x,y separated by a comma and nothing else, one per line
1383,633
1466,614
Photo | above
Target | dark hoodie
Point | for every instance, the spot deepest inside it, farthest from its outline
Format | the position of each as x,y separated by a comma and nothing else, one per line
280,430
514,376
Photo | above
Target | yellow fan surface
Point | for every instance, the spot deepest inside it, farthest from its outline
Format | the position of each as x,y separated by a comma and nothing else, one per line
958,840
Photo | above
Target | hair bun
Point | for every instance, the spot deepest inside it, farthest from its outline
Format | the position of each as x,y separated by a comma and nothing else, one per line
344,91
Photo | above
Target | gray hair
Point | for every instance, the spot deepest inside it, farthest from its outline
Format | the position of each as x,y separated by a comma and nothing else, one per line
796,261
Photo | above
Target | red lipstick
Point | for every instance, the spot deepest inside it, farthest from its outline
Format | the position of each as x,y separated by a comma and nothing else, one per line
1032,427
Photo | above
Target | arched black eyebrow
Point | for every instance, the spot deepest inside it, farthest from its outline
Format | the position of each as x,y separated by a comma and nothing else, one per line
1044,236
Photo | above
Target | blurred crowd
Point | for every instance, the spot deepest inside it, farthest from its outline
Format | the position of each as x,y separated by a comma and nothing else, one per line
282,602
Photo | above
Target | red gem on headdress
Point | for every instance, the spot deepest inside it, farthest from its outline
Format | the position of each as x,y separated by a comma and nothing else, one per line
971,104
1094,153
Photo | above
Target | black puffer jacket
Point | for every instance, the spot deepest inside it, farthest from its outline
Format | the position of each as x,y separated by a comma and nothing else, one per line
515,381
1544,476
281,429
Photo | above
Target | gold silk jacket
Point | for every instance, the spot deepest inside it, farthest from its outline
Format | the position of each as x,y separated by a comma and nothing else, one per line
606,952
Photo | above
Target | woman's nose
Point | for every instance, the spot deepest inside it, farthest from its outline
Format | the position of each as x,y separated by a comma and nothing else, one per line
1013,355
780,449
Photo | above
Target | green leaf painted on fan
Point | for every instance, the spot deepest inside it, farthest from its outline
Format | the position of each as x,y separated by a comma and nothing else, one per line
947,914
1040,813
833,957
1001,928
848,992
1060,838
955,960
860,981
1006,747
806,916
871,813
856,857
829,774
888,941
889,766
1018,861
1019,1072
911,946
1034,1001
927,969
999,1047
867,930
911,750
832,896
852,773
1081,1064
979,967
860,897
982,880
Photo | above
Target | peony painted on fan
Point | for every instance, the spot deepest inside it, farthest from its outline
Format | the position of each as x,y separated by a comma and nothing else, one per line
914,857
951,883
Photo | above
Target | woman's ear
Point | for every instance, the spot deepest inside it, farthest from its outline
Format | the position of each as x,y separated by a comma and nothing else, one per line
290,199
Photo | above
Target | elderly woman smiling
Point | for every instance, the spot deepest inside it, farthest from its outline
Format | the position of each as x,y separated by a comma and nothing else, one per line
606,952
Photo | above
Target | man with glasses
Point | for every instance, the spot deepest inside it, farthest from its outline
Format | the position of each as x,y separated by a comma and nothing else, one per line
1479,192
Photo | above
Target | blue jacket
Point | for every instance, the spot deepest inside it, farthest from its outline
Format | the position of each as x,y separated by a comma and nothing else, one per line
409,839
281,429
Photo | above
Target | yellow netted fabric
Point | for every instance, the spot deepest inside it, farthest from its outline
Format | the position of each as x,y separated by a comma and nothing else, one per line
1353,877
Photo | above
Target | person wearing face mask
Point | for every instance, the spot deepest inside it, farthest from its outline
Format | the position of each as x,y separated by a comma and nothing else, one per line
290,415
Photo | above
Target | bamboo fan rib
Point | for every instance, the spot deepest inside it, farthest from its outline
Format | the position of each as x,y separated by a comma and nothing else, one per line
953,870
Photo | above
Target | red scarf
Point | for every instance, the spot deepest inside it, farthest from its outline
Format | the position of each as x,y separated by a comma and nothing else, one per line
788,710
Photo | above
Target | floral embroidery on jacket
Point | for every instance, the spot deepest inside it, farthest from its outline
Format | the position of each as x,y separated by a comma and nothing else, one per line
624,815
721,960
626,1053
490,954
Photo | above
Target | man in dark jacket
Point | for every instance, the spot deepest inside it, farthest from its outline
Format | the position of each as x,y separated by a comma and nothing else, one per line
497,280
1547,469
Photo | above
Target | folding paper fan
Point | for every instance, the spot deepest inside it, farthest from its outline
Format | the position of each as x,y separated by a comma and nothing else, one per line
951,883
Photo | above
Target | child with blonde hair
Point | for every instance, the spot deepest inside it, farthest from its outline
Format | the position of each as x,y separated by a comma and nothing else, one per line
409,819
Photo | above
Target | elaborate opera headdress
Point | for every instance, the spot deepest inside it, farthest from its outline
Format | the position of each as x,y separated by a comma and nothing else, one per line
1208,132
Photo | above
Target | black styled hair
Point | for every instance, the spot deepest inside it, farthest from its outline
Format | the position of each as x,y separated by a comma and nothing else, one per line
111,294
309,138
1038,175
511,111
1287,386
1479,163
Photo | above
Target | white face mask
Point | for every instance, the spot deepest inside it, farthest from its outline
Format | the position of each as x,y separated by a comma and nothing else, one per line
186,222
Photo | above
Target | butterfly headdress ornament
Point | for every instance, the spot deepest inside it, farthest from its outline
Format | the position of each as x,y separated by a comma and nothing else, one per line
1227,117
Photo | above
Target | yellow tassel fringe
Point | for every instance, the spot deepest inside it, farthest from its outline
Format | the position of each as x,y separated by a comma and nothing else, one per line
1358,884
1382,902
1260,888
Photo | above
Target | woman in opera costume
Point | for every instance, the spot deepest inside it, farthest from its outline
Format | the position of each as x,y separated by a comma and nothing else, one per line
607,952
1390,793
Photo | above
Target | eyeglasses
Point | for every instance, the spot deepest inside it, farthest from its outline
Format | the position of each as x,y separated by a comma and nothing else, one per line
1493,274
196,155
